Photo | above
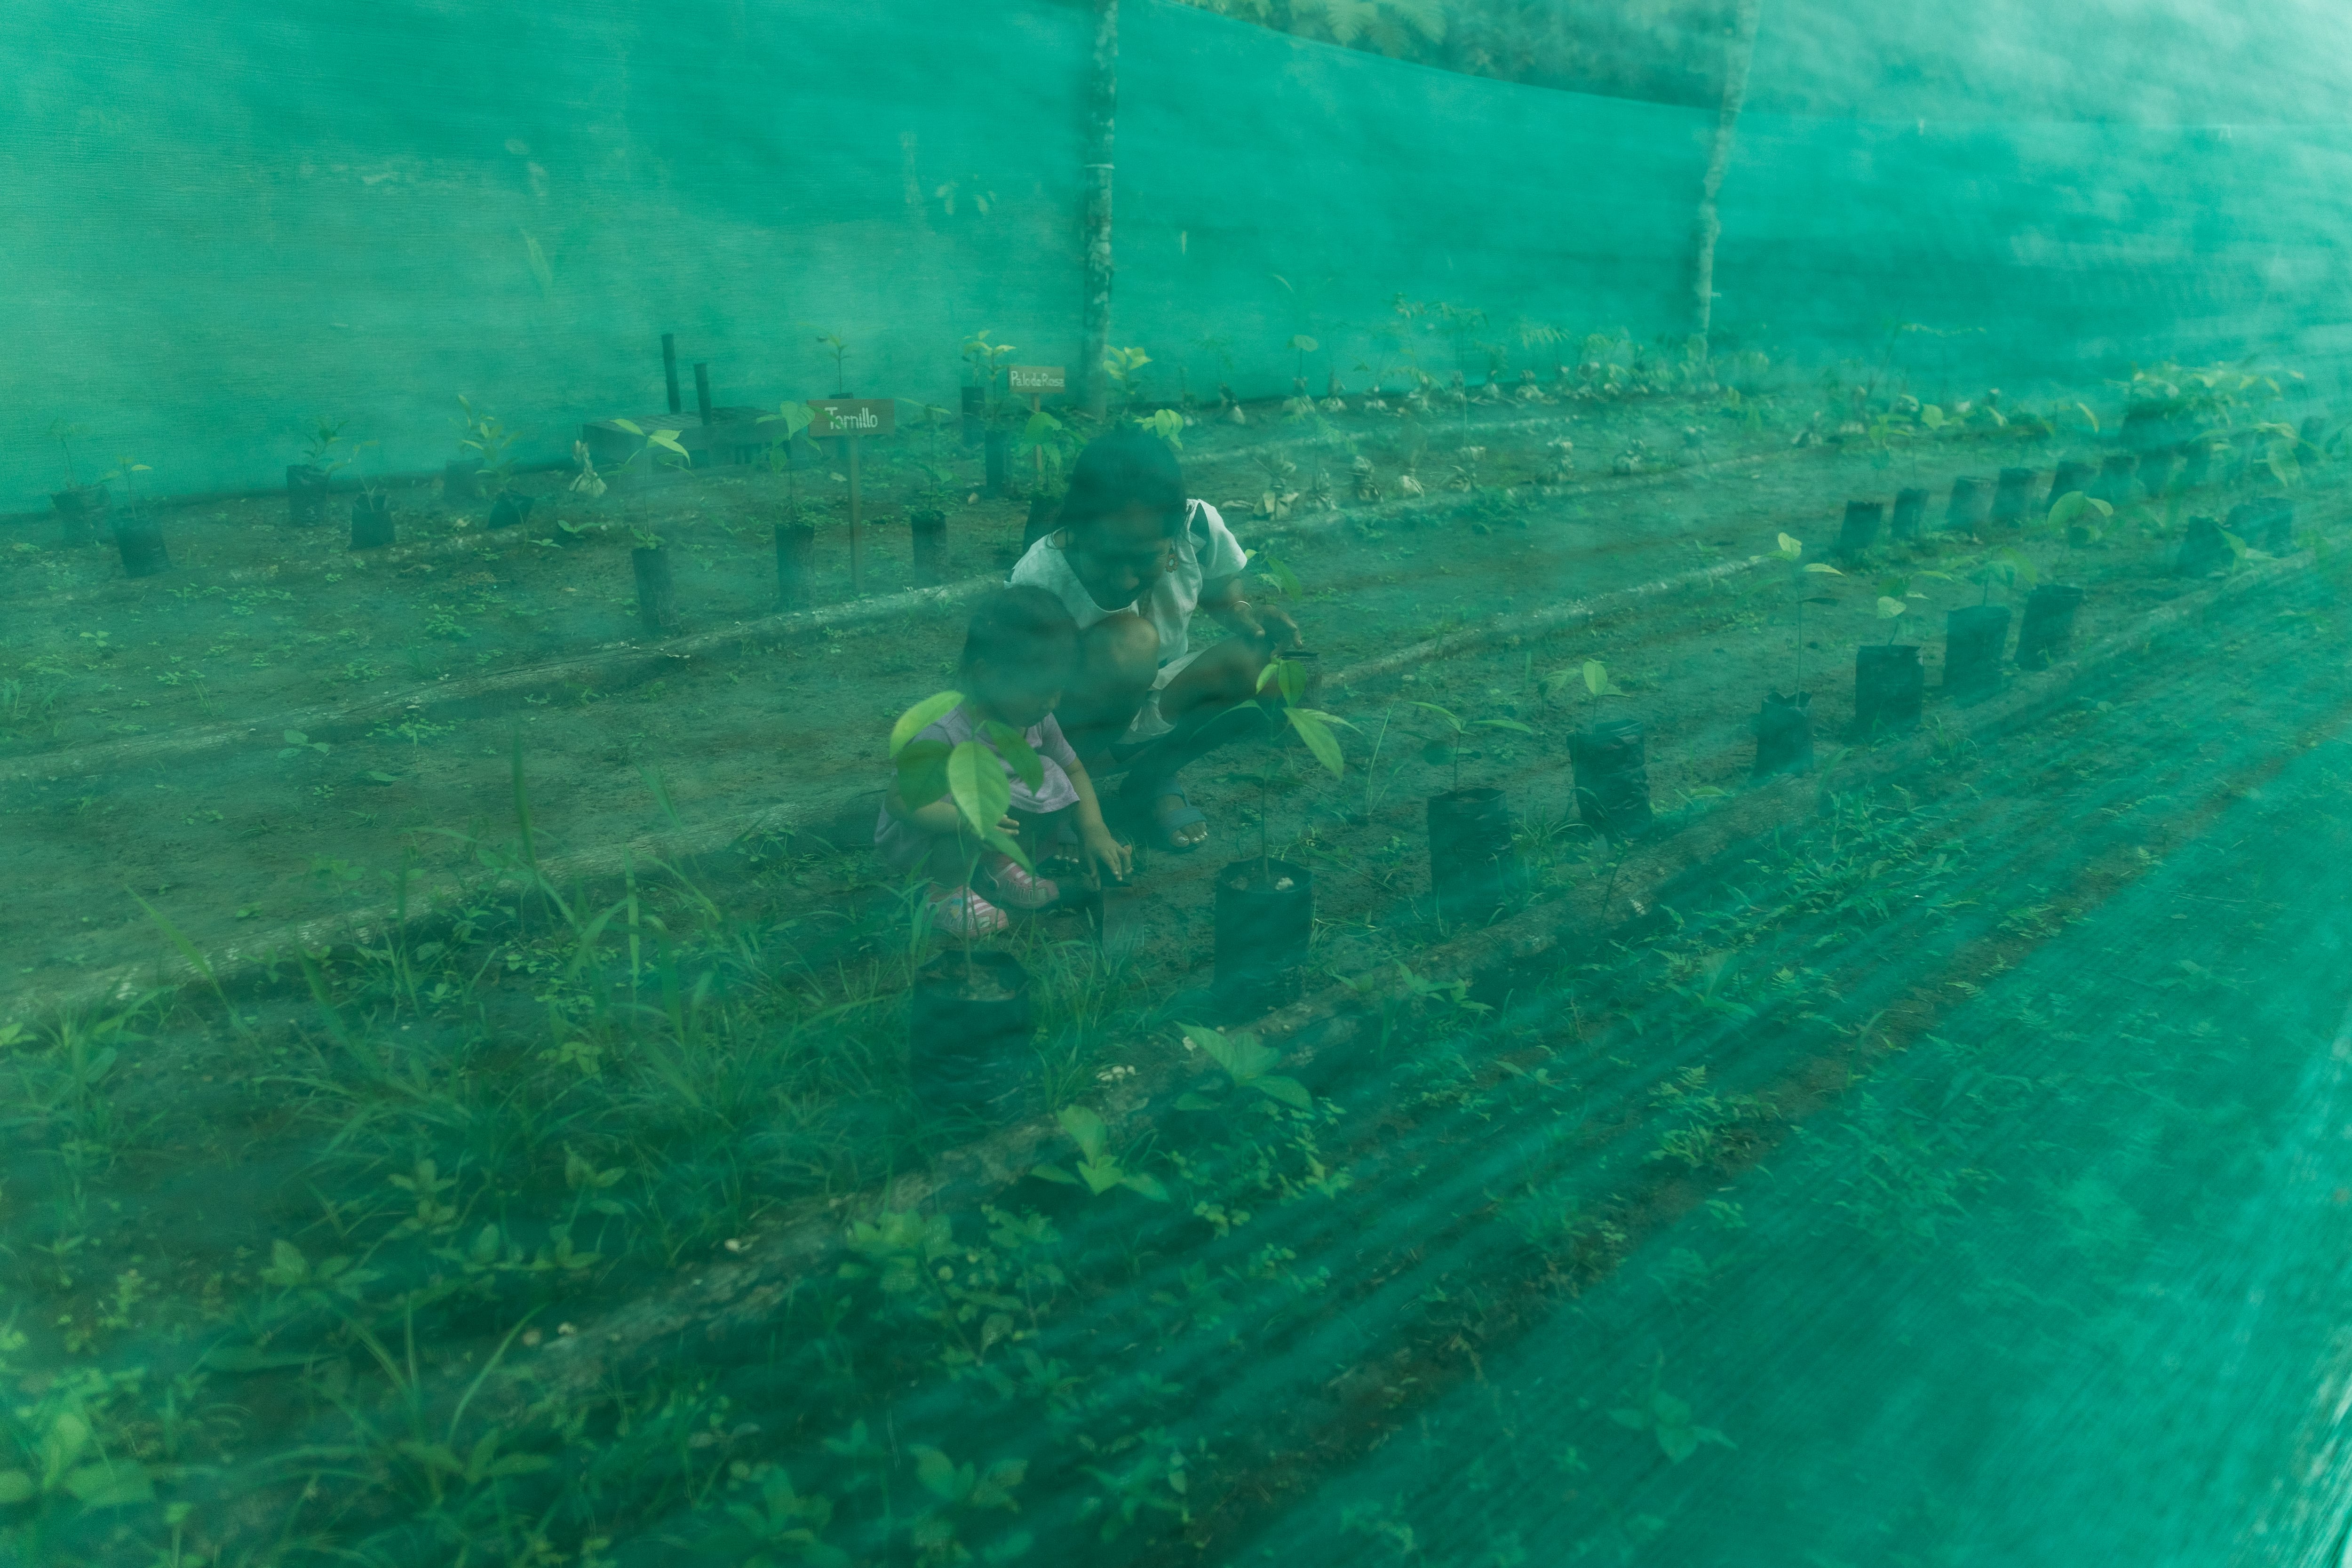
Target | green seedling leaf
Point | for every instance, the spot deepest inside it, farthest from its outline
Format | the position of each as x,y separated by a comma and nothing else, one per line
631,426
1054,1174
1791,547
1143,1185
940,1476
1302,345
1287,1090
2089,417
977,784
2070,506
794,416
375,777
1085,1129
1501,724
1451,722
1596,679
1931,416
1041,426
923,773
1890,608
1824,569
1281,578
920,717
1015,750
1315,729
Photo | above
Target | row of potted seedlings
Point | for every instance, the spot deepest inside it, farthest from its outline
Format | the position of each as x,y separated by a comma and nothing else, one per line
1264,906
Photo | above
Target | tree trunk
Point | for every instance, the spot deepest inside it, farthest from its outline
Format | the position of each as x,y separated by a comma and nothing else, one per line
1738,50
1101,106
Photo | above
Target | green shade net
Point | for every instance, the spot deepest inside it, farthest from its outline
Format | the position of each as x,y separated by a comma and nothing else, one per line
1954,1170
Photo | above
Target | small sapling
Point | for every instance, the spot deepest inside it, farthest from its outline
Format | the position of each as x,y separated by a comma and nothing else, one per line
1447,748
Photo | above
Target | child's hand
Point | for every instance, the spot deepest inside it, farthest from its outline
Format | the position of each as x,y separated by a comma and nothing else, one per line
1106,857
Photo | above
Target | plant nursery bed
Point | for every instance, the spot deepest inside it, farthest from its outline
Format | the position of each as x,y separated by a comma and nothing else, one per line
1543,1123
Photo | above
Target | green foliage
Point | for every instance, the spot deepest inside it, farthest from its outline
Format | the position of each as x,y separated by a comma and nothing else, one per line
1460,729
1669,1420
1247,1063
1098,1169
968,772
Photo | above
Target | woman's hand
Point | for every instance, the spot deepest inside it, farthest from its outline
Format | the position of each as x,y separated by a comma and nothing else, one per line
1106,858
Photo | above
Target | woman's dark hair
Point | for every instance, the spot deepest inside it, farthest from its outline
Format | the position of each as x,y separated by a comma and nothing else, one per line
1126,467
1022,628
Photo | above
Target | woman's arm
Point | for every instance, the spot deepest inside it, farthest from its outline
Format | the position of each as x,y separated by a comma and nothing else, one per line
1269,623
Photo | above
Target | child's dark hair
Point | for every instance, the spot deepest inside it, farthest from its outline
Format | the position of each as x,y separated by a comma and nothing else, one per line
1126,467
1022,628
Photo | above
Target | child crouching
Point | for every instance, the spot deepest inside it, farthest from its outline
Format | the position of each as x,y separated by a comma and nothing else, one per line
1019,653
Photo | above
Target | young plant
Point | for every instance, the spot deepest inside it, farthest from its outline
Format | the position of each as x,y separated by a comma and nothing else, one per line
2010,568
1099,1168
837,346
1288,678
123,469
986,362
1123,367
1302,345
490,441
1792,550
791,418
1247,1062
1591,674
1045,435
1894,596
656,446
65,436
969,773
319,450
1460,731
2077,510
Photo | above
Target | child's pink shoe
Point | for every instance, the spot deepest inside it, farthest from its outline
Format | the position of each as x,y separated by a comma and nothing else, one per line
964,915
1022,889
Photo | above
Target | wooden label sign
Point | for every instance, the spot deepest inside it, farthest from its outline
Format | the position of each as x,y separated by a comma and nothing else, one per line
852,416
1029,380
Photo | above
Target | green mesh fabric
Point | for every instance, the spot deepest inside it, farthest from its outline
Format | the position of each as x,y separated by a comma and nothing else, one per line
463,1085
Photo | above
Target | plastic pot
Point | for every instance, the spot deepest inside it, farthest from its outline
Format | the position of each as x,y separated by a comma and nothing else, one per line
795,565
656,594
992,453
508,510
2204,552
140,538
975,409
1784,735
2266,522
1859,530
2011,498
929,529
968,1031
2197,464
2074,474
1473,866
1971,504
306,495
2116,480
81,512
1115,914
2047,633
1612,778
1265,914
1910,514
371,527
462,480
1974,639
1889,685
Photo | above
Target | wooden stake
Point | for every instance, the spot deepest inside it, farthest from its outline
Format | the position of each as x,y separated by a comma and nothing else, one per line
1036,406
857,532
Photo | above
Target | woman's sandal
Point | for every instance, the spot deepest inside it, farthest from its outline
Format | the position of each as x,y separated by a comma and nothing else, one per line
1165,820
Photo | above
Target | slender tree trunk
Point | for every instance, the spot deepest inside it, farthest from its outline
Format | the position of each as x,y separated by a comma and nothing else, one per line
1738,50
1102,105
